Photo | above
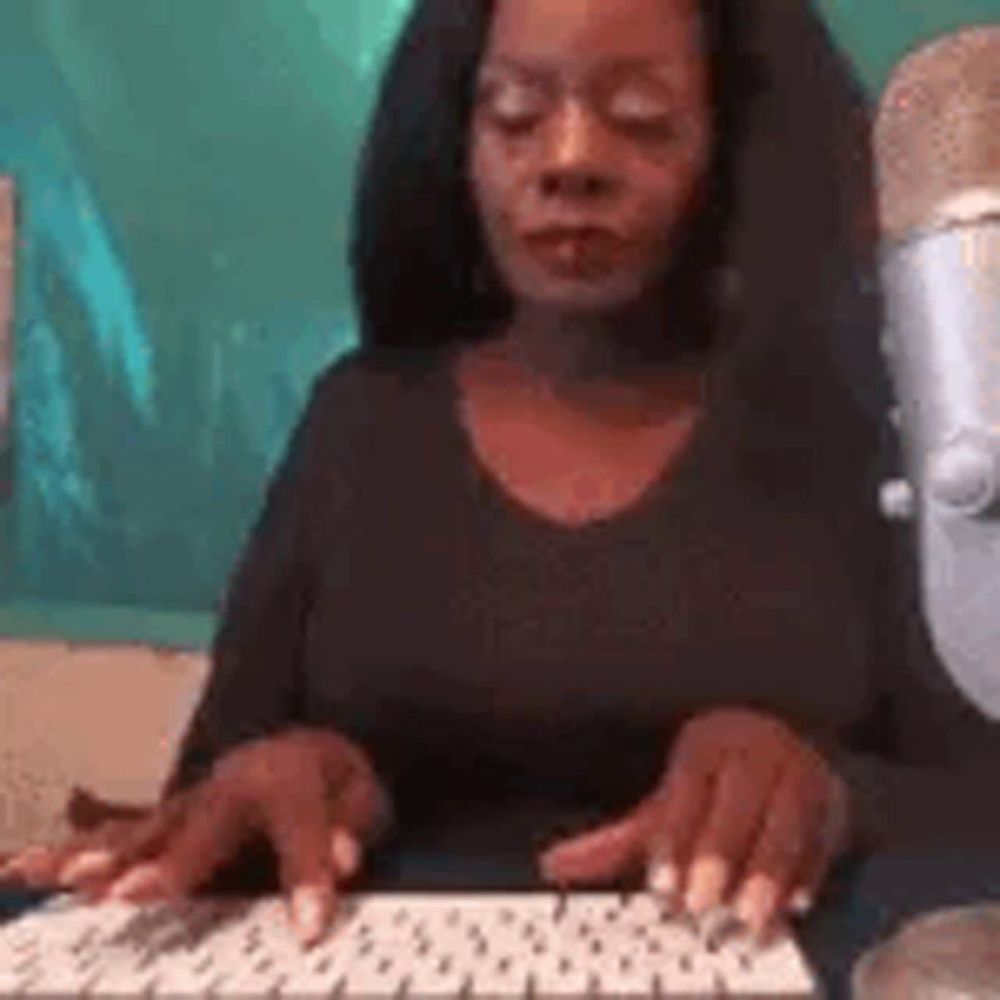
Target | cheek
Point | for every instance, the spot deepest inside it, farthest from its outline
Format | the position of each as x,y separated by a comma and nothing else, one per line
671,192
493,184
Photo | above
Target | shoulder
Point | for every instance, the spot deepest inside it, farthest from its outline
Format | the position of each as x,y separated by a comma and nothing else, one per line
366,375
367,391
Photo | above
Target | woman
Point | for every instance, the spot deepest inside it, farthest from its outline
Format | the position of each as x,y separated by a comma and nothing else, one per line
581,541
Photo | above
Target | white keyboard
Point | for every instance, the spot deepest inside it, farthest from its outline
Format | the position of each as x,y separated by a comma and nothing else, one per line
395,945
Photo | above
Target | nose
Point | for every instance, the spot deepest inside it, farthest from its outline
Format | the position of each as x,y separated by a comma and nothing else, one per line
578,159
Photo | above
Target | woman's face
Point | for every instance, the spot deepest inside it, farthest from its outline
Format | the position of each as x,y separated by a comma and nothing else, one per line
591,133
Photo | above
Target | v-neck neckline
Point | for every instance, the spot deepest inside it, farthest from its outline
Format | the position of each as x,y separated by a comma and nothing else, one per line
670,480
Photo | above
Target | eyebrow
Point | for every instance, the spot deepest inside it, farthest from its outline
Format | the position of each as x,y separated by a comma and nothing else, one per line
657,65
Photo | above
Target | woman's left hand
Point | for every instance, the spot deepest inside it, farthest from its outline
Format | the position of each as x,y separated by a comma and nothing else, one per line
746,813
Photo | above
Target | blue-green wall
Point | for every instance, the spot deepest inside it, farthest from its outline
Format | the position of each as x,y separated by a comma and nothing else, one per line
184,169
184,173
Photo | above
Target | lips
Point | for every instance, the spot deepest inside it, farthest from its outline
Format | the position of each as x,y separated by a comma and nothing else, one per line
583,252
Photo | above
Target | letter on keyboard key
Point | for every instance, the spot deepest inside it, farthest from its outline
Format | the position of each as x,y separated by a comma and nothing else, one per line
554,979
11,983
120,982
317,974
430,981
777,969
495,981
248,980
308,985
190,976
371,977
694,981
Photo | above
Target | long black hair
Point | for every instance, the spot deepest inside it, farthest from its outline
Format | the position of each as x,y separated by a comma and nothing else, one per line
421,270
788,211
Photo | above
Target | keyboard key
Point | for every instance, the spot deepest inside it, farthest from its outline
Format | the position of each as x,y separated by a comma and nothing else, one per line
114,982
374,978
501,945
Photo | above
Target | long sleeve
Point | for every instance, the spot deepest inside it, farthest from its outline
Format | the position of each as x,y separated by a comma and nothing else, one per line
254,683
932,781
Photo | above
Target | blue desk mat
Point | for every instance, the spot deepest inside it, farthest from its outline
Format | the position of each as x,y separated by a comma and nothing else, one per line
867,900
14,902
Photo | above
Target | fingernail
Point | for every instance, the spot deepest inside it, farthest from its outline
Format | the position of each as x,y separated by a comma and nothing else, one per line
89,864
663,878
552,868
708,882
308,912
139,884
801,902
22,863
33,867
346,853
717,925
756,903
745,908
9,869
552,854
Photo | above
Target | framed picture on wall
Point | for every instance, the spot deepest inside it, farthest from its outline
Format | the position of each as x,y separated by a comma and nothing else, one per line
7,247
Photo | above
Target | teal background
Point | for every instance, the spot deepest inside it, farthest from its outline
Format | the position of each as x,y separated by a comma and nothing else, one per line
184,172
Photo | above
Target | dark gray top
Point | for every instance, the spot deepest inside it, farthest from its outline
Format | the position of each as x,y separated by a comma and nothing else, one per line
501,666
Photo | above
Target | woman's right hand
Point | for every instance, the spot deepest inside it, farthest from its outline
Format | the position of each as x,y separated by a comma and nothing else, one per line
312,793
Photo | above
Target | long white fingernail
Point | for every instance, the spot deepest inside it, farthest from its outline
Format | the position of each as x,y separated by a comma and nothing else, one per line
139,883
89,864
801,902
346,853
10,868
308,912
21,864
707,884
745,908
663,878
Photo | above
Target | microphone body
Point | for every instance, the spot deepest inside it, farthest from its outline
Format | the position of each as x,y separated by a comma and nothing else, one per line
937,144
943,330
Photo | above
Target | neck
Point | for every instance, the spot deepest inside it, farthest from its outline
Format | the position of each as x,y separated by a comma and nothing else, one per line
571,350
619,366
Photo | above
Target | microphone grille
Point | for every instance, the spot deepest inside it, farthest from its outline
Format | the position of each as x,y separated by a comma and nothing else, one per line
937,134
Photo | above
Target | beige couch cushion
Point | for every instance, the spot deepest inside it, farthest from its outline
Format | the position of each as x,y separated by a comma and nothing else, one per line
107,718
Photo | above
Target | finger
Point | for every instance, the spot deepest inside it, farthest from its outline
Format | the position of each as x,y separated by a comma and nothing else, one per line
812,877
109,850
207,835
87,866
359,804
297,819
89,856
679,809
345,853
146,882
740,794
34,867
600,855
788,835
38,866
354,814
817,864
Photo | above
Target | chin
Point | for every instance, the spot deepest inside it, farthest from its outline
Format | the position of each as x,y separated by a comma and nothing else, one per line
578,296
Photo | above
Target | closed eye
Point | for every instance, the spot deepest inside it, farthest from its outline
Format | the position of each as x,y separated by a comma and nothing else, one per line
516,125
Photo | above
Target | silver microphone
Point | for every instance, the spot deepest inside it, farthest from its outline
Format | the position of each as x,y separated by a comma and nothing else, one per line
937,154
